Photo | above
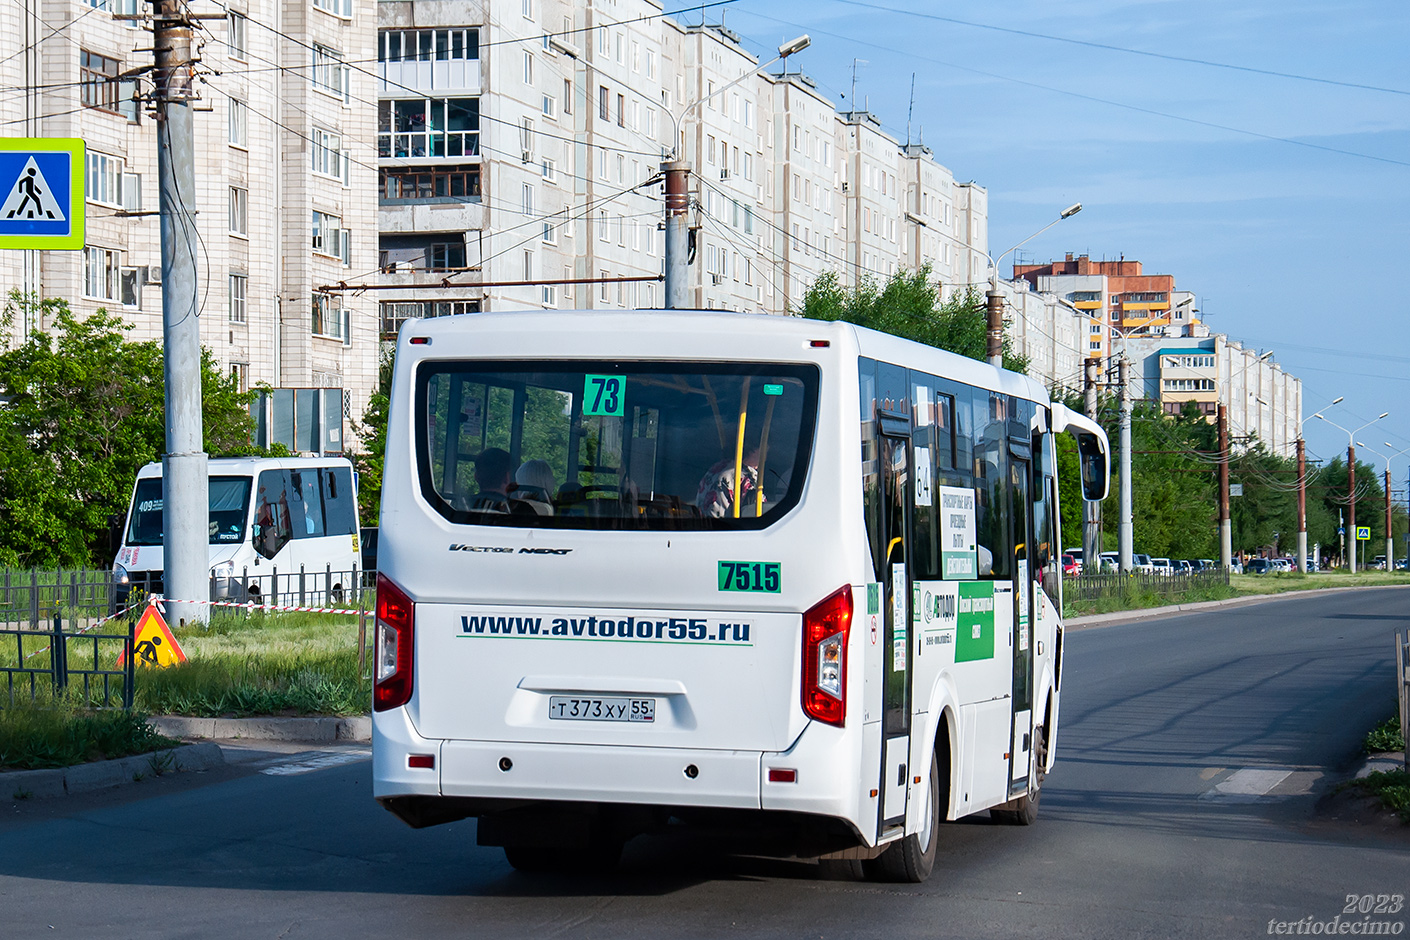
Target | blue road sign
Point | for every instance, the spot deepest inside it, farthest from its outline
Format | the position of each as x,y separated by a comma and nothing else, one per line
1363,533
41,192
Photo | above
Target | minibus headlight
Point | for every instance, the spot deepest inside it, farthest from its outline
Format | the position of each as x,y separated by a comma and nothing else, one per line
392,675
226,569
120,575
826,628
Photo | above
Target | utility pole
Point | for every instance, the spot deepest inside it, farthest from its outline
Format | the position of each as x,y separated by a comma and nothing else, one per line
1126,529
184,470
1226,532
1091,509
1390,539
1351,502
1301,505
995,333
677,174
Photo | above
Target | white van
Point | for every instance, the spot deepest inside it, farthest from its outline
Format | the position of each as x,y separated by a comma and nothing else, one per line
763,573
281,527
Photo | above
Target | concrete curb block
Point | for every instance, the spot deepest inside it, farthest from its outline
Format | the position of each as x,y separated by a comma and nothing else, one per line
106,774
320,730
1151,613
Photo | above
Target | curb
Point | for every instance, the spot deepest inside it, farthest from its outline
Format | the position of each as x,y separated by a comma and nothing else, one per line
310,730
1150,613
102,775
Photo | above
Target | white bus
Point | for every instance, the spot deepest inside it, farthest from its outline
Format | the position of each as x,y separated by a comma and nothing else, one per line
272,519
582,633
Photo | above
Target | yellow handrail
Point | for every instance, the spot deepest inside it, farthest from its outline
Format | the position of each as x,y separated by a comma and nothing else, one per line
739,444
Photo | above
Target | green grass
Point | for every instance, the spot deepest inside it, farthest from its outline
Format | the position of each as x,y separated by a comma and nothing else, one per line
1385,737
1297,581
1141,600
1391,787
261,664
62,733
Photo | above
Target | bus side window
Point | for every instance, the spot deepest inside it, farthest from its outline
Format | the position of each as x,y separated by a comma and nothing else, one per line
339,509
990,416
272,529
307,505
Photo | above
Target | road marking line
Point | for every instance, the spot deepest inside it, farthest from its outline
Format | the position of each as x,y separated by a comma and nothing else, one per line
319,763
1246,786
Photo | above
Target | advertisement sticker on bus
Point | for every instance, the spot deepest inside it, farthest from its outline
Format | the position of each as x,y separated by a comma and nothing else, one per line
974,636
958,557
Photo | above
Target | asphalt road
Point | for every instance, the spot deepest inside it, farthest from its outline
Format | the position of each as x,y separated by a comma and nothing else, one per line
1192,752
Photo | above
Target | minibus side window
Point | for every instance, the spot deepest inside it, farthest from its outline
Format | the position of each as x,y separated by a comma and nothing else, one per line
339,509
990,415
307,504
871,467
929,435
273,527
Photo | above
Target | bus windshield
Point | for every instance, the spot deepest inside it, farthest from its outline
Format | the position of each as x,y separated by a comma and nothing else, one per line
229,509
614,445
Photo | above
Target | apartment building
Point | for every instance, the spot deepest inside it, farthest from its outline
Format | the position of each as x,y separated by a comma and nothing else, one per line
283,201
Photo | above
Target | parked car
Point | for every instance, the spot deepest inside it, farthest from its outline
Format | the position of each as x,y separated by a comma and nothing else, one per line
1143,563
1182,565
1076,554
1207,564
1162,566
1258,566
1378,563
1281,564
1110,561
1071,566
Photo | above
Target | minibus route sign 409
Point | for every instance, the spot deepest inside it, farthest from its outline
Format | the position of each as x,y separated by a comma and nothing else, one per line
625,628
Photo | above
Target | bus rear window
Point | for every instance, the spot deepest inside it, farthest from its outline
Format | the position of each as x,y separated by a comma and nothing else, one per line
614,445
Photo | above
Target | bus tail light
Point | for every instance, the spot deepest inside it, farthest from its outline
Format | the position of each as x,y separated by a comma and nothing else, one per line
391,677
826,627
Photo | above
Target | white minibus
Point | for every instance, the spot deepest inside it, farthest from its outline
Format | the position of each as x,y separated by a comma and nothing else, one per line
281,528
771,574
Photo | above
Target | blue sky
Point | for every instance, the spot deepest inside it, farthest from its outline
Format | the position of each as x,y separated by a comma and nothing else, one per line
1226,178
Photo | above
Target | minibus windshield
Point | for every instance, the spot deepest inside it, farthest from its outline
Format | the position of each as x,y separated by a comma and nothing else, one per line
229,510
614,445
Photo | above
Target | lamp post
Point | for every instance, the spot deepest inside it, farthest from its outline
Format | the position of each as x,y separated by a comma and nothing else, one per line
995,350
1302,492
1351,477
1390,566
677,175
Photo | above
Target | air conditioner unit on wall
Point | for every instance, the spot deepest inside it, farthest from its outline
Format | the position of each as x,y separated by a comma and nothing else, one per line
152,274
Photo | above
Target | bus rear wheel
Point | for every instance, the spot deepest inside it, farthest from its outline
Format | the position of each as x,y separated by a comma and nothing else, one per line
912,858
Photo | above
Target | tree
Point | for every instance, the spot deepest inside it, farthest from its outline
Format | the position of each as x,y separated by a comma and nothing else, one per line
372,432
84,411
908,305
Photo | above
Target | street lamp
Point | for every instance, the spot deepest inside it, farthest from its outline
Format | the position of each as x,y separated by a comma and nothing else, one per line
1390,540
995,350
1351,476
677,175
1389,564
1302,491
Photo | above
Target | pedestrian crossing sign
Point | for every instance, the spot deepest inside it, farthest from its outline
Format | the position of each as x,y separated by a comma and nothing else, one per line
1363,533
153,642
41,192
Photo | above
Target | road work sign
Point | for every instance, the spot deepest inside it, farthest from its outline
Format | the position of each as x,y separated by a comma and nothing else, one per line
153,643
41,192
1363,533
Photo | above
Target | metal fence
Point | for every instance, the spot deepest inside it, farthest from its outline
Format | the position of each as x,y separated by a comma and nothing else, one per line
1094,587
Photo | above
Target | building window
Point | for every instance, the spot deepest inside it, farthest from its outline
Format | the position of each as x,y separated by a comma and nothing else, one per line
240,372
528,68
239,287
526,199
239,211
341,8
330,73
101,268
549,295
549,169
130,286
550,106
239,123
604,103
103,183
429,127
235,25
567,96
329,158
621,110
449,183
426,45
329,320
330,238
100,87
445,256
396,312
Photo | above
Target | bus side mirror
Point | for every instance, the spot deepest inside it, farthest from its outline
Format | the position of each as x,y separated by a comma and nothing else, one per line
115,522
1096,475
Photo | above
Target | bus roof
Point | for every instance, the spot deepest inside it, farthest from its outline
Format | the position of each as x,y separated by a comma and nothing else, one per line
696,334
240,466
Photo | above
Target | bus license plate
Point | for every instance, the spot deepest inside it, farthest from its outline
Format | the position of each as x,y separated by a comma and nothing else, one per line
573,708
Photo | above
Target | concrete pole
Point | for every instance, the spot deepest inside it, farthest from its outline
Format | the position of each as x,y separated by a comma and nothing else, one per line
677,173
1301,505
995,333
1351,504
1126,532
1390,539
185,501
1226,530
1092,510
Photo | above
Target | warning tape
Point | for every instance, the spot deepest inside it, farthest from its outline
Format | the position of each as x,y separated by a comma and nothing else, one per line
82,630
159,600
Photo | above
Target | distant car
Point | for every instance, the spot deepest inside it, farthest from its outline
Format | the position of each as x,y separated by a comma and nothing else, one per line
1280,564
1206,564
1076,554
1143,563
1378,563
1258,566
1183,565
1162,566
1109,561
1071,566
1400,564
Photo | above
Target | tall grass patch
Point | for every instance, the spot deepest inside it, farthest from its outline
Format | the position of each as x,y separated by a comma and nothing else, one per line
60,733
